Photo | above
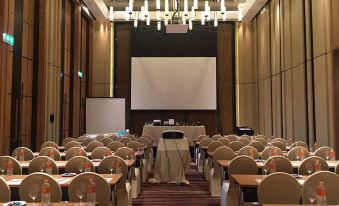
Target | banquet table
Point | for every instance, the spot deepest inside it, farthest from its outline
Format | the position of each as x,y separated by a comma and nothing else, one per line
155,132
172,161
89,154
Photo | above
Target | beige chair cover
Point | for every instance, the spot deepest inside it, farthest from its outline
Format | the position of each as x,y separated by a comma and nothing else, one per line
293,153
299,143
66,140
72,165
71,144
258,145
49,144
321,152
91,146
282,164
75,151
47,151
5,194
236,145
280,144
28,154
270,151
40,163
248,151
312,160
16,165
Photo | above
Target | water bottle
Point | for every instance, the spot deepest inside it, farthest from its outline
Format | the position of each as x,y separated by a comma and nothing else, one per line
321,194
46,193
251,154
21,155
332,155
9,167
91,192
87,166
317,166
49,169
118,167
51,154
273,166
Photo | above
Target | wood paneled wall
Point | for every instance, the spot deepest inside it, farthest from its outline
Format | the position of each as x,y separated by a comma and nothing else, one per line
285,72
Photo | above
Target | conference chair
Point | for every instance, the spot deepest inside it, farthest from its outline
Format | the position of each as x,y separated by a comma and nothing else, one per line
278,139
128,154
202,156
236,145
299,143
148,153
310,162
246,136
123,187
216,137
87,141
279,188
38,164
91,146
81,138
244,140
125,140
216,175
232,138
138,147
336,170
77,165
209,163
279,144
225,141
28,154
250,152
261,136
331,182
71,144
239,165
115,145
36,180
5,194
49,144
75,151
197,148
105,141
50,152
113,137
323,152
99,137
298,153
132,136
271,151
100,153
102,189
66,140
16,165
282,165
261,139
258,145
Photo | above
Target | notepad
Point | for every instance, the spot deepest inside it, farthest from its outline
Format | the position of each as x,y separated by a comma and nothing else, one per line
108,179
14,181
62,181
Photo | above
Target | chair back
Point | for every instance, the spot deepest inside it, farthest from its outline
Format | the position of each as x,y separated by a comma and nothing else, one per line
105,141
125,140
16,165
201,137
298,152
125,153
82,138
214,145
216,137
100,153
279,139
71,144
205,142
261,139
236,145
250,152
92,145
113,146
76,164
39,164
243,165
75,151
282,164
135,146
112,162
244,140
271,151
247,137
87,141
232,138
28,154
5,194
279,188
99,137
49,144
225,141
66,140
331,182
223,153
280,144
312,161
51,152
37,179
258,145
299,143
102,189
143,141
113,137
323,152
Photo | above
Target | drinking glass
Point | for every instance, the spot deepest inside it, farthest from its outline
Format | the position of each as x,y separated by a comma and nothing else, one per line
41,167
3,168
111,167
327,155
33,192
266,169
309,167
80,190
311,195
81,167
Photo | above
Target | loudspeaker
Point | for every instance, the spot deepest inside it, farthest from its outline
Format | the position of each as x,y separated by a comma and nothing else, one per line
172,134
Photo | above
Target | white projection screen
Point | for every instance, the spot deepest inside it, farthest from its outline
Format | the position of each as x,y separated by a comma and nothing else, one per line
173,83
105,115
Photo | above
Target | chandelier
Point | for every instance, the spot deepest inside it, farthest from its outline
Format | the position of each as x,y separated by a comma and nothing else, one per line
177,15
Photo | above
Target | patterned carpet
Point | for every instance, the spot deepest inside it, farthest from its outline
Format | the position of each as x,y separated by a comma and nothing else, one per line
171,194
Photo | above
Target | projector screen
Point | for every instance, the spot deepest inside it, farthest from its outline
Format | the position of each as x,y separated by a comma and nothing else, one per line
173,83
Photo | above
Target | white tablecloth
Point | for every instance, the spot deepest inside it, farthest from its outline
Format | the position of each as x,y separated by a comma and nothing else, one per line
172,161
155,132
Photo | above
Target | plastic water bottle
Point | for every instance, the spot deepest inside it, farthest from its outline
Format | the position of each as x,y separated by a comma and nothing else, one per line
332,155
91,191
21,155
46,193
273,166
321,194
9,167
51,154
49,169
87,166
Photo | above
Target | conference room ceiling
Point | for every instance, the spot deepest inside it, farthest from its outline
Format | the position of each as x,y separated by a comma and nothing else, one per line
120,5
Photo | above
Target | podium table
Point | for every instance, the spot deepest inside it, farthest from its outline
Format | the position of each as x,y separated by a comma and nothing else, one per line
172,161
